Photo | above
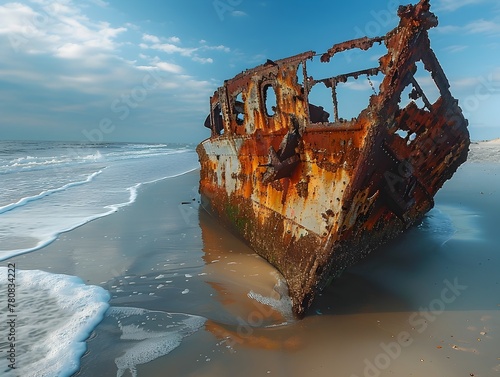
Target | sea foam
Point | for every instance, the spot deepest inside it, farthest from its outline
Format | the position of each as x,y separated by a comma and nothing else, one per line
49,188
54,315
148,334
28,199
282,303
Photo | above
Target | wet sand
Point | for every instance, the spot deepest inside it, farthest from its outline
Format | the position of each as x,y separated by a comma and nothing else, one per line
427,304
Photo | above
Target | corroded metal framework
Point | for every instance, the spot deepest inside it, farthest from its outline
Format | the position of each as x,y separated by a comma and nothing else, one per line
313,196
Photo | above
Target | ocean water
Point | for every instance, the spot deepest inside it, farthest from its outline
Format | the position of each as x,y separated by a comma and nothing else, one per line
48,323
47,188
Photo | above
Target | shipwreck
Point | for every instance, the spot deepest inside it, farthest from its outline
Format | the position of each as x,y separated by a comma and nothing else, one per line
312,192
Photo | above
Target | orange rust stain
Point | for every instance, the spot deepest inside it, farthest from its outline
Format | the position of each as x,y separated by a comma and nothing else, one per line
251,339
338,171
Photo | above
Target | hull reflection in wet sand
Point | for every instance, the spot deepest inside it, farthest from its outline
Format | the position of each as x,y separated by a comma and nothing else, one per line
252,294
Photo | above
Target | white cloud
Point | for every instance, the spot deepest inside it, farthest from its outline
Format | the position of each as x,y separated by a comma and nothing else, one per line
238,13
361,84
216,48
77,64
100,3
169,67
150,38
170,48
56,29
108,32
465,83
453,5
16,21
483,26
157,41
79,54
70,50
174,40
480,26
487,83
202,60
132,26
449,29
455,48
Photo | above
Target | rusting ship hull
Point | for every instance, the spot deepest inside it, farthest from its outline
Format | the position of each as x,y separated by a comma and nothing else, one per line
311,194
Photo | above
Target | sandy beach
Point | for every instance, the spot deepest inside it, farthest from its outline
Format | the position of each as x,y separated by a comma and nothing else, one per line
188,298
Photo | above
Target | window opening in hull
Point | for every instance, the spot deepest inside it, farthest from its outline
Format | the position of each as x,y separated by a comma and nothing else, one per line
421,90
353,96
300,74
343,85
427,83
239,109
270,103
320,104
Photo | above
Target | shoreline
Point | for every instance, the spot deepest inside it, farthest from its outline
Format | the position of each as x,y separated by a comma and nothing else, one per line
157,256
97,226
112,208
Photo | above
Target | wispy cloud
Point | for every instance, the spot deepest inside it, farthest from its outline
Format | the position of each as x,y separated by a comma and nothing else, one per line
57,61
455,48
483,26
238,13
453,5
169,67
62,31
489,82
57,29
205,47
480,26
173,45
170,48
203,60
465,83
150,38
101,3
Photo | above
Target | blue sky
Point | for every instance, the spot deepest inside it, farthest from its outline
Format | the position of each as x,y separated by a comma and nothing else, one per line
129,70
